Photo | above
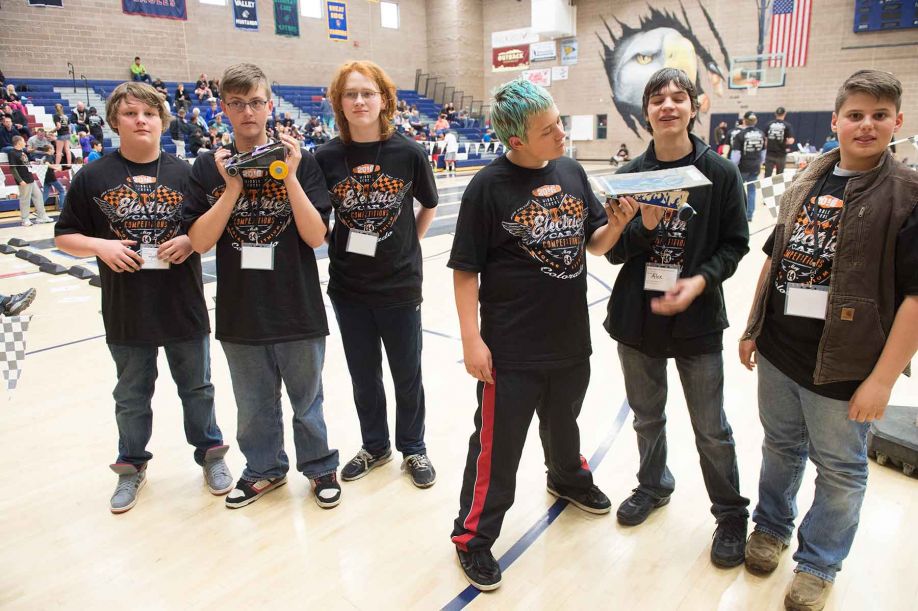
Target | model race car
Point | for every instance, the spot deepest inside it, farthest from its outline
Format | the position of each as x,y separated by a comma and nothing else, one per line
270,156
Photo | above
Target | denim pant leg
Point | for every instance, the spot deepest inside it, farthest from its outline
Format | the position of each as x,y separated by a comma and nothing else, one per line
189,363
300,364
401,333
136,370
645,387
260,426
784,451
838,448
558,409
703,383
750,193
363,352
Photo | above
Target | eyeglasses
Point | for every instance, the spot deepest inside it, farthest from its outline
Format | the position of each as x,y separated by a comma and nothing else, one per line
240,106
367,95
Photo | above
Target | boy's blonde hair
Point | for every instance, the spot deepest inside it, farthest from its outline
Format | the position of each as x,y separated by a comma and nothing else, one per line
141,92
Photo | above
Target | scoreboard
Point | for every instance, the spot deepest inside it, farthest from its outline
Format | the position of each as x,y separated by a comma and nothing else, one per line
882,15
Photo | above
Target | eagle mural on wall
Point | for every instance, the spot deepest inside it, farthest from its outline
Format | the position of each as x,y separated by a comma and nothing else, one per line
662,40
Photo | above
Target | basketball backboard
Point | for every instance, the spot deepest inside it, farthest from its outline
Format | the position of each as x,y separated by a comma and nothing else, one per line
756,71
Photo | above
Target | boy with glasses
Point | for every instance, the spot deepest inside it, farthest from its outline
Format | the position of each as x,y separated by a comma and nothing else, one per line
270,316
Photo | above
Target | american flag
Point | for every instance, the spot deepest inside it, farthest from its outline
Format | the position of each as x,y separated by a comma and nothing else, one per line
790,30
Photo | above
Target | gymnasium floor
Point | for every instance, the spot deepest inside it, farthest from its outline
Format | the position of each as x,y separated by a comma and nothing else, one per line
387,545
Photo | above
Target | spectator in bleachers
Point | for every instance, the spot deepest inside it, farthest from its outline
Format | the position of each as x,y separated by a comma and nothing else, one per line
197,142
181,99
328,114
52,182
7,132
220,126
212,111
198,120
441,125
160,86
79,118
95,123
213,139
14,99
38,141
20,121
62,128
28,190
214,86
451,150
139,71
180,128
226,140
43,154
96,152
201,89
85,142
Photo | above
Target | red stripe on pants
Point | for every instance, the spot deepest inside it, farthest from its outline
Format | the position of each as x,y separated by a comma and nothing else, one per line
483,467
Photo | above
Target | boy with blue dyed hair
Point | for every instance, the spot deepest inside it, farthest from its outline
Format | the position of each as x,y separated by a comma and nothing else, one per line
524,224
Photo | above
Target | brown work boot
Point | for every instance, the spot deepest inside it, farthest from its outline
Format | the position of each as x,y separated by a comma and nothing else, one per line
763,552
807,593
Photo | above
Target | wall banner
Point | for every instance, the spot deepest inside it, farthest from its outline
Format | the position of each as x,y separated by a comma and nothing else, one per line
337,19
166,9
245,15
286,18
510,58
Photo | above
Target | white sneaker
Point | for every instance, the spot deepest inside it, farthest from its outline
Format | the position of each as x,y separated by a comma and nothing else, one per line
26,223
46,219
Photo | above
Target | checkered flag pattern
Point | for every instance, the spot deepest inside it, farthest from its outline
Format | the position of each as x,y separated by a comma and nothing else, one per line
772,188
12,347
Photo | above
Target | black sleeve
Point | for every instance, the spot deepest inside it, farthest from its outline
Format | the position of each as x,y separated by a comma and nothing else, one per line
733,238
769,246
76,216
596,214
20,168
473,233
313,182
788,131
196,198
737,144
425,186
907,256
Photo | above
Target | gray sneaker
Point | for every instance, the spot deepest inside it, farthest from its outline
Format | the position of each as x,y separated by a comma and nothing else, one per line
216,473
420,469
130,481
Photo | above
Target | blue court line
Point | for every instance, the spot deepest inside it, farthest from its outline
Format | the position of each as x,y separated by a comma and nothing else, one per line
600,281
535,531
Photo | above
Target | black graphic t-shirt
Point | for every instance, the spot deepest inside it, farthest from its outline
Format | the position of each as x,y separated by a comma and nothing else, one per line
373,186
791,342
257,306
669,249
64,124
776,132
750,142
525,231
115,199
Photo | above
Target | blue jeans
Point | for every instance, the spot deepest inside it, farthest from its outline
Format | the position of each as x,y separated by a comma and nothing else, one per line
750,193
363,331
61,191
703,384
189,363
257,373
800,423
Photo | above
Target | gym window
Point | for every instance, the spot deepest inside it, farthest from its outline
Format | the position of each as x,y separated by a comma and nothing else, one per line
388,15
311,8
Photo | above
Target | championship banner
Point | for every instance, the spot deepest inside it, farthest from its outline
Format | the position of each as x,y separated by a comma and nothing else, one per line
286,18
569,48
337,20
245,15
165,9
510,58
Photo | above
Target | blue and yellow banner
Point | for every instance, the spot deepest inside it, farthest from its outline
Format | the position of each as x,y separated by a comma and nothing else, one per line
286,18
337,20
166,9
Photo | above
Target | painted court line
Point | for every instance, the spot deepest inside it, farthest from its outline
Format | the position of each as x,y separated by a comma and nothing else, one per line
535,531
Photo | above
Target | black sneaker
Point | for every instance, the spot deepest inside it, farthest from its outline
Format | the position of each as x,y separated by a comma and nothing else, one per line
247,492
327,490
420,469
591,500
363,463
637,507
480,568
729,546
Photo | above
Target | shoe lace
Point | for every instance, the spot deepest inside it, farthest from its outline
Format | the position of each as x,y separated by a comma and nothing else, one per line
419,461
216,469
127,483
732,530
639,497
362,459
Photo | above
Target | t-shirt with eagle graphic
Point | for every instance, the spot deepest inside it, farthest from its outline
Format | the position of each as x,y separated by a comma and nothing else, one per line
525,232
117,199
372,186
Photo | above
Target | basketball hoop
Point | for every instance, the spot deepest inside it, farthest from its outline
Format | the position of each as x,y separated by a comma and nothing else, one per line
752,87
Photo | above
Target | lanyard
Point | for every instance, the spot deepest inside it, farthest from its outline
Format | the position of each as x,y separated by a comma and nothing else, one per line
819,246
347,163
159,160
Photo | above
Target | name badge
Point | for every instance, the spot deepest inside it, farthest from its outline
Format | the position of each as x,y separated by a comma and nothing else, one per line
660,277
151,260
362,242
806,301
257,256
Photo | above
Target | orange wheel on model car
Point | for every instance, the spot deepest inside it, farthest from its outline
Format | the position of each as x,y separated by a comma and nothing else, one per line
278,170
